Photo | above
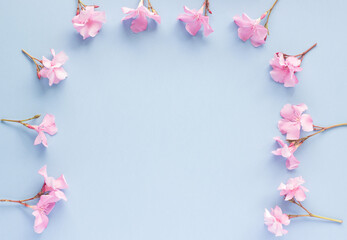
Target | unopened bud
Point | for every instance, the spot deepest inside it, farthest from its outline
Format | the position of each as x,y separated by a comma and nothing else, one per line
263,16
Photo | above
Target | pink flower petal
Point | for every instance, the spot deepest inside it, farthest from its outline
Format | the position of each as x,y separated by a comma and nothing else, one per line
306,123
292,163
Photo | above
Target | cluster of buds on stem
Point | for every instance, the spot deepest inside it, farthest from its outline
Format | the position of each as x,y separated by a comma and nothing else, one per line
292,122
293,192
82,7
285,66
38,63
48,196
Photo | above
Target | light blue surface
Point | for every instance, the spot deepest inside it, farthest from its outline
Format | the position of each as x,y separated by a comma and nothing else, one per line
164,136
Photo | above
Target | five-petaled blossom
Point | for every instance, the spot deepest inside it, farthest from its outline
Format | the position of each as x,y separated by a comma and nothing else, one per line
194,19
53,186
284,69
251,29
139,16
287,151
293,120
275,221
293,189
52,69
88,22
41,210
47,126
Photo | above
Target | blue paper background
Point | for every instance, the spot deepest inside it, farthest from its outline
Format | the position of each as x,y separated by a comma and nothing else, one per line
167,136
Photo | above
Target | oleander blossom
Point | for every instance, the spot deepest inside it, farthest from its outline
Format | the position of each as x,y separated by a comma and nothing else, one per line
251,29
88,22
293,120
284,69
275,221
47,126
41,211
293,189
139,16
287,151
194,19
53,186
52,69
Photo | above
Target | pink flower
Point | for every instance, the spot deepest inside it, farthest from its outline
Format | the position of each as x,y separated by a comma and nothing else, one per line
194,19
275,221
54,185
53,70
41,210
293,120
284,69
251,29
89,22
293,189
287,152
140,15
47,126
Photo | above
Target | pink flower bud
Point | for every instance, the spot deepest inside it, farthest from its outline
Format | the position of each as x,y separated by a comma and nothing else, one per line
263,16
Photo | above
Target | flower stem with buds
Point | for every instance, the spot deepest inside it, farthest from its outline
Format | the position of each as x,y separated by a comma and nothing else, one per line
38,195
38,62
150,7
22,121
268,13
207,7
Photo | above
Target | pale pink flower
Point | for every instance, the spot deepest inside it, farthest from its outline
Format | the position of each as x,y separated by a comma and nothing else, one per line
287,152
140,15
293,120
89,22
251,29
53,70
53,186
47,126
275,221
194,19
41,210
293,189
284,69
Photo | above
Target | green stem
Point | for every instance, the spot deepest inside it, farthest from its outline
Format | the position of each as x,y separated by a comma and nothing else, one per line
301,140
21,121
15,201
316,216
268,16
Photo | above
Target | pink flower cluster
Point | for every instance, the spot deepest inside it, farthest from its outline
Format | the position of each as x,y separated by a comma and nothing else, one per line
275,221
194,19
88,22
47,126
285,66
140,15
284,69
276,218
52,69
292,122
293,189
251,29
50,194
